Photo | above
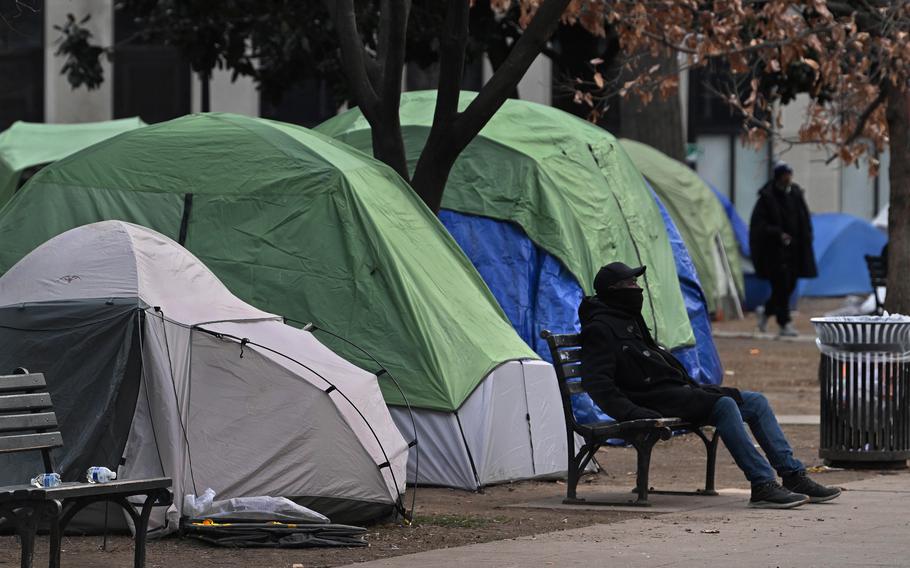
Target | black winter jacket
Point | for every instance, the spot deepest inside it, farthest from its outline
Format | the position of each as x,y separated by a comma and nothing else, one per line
623,368
766,226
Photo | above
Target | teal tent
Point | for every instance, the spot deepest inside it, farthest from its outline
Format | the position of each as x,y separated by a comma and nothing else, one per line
26,145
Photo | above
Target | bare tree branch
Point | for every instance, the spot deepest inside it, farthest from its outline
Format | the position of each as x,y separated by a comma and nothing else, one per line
393,51
352,55
864,118
497,89
452,42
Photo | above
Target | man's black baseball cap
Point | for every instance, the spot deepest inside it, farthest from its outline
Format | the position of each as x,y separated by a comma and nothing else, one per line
615,272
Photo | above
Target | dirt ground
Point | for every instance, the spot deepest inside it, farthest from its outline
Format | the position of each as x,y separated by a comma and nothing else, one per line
784,370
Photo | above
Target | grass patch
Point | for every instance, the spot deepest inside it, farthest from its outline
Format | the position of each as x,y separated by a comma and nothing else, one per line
459,521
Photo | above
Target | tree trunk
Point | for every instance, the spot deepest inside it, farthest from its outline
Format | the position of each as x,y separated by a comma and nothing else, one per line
388,144
658,124
898,116
430,178
205,104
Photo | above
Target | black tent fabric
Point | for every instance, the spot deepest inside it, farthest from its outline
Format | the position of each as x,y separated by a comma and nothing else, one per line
88,351
240,534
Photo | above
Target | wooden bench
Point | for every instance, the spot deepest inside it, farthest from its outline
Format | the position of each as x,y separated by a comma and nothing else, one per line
878,276
28,423
641,434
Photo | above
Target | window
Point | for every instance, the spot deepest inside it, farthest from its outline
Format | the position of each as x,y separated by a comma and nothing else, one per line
308,103
22,62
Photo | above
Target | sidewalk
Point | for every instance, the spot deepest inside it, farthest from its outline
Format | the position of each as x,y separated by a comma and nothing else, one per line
867,526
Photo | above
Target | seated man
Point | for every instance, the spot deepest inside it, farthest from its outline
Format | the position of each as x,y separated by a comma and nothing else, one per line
630,377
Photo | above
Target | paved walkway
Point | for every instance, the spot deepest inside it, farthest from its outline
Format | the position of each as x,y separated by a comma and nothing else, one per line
802,338
869,525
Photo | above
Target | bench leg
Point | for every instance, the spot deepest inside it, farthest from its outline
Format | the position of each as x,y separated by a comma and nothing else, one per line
25,518
55,545
643,445
141,530
711,466
26,528
711,461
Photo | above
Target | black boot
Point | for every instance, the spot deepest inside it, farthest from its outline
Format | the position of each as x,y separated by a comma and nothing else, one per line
771,495
799,482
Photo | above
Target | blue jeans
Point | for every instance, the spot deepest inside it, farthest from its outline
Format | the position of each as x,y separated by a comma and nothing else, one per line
728,417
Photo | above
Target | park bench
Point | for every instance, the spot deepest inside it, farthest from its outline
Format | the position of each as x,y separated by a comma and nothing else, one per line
878,275
28,423
640,434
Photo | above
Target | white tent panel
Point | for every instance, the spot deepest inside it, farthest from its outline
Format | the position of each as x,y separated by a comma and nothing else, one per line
510,428
443,458
356,395
156,444
238,451
548,432
495,420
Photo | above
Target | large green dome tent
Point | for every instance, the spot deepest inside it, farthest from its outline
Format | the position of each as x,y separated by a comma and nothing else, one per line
701,219
539,200
303,226
26,145
566,183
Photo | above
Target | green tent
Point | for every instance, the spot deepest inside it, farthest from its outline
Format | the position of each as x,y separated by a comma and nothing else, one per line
27,144
701,220
568,184
297,224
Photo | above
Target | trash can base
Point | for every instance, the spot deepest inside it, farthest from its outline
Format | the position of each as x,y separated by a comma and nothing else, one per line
866,464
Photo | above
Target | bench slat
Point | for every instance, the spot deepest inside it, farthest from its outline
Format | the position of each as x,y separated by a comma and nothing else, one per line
24,442
18,422
35,401
124,488
568,340
15,383
568,356
570,371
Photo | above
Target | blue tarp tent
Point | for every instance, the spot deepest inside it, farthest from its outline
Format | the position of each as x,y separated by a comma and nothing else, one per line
704,357
537,292
841,243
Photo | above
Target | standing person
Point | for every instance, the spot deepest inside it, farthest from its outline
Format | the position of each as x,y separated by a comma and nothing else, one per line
780,235
630,377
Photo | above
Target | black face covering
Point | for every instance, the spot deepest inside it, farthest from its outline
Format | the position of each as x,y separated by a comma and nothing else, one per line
629,300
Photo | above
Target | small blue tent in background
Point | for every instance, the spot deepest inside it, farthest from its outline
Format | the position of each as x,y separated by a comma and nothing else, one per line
841,243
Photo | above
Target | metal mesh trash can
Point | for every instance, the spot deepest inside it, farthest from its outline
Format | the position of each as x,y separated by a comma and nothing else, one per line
865,390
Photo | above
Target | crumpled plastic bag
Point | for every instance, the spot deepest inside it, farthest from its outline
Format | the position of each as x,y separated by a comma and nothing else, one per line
263,508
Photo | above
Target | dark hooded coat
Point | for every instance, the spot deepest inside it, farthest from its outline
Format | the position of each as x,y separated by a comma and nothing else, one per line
776,213
623,368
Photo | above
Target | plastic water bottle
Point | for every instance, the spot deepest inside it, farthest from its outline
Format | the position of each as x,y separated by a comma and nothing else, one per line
46,480
99,475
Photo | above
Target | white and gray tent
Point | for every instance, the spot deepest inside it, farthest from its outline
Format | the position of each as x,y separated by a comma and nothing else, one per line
155,368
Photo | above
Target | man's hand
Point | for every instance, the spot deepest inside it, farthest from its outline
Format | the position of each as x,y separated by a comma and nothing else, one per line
642,413
786,239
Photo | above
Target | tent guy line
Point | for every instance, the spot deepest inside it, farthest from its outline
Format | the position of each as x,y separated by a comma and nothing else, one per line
332,388
415,443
